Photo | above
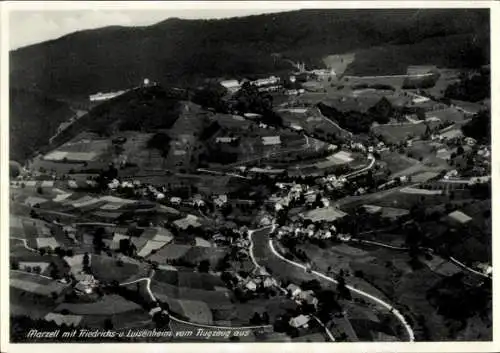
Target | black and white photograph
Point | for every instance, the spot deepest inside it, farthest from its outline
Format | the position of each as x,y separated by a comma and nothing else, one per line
247,174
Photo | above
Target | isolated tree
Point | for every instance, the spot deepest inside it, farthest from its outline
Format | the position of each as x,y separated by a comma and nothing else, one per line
54,271
86,262
344,292
108,324
204,266
256,319
97,241
265,318
14,264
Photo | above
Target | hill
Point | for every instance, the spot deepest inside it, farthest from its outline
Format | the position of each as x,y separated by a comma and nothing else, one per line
183,52
142,109
34,119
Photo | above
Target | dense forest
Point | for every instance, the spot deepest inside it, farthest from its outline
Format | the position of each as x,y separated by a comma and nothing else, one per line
474,87
479,127
33,121
182,52
358,122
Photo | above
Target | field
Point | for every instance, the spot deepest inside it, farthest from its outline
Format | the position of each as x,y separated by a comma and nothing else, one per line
203,298
406,200
311,120
387,273
450,114
446,78
421,149
133,319
394,81
107,305
86,150
341,257
189,294
396,162
106,269
31,294
400,133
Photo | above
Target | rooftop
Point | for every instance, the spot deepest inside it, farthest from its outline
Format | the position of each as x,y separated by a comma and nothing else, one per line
271,140
460,217
327,214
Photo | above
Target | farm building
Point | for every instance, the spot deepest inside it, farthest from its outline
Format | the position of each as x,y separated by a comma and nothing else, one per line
225,139
271,140
299,321
272,80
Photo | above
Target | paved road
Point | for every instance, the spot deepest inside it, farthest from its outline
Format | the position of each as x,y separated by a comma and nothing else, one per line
362,170
263,252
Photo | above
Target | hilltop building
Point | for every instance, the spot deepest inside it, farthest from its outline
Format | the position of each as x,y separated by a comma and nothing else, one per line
100,97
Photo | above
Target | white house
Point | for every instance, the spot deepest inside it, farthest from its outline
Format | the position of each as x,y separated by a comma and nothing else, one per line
269,282
250,285
271,140
175,200
272,80
294,290
299,321
225,139
221,200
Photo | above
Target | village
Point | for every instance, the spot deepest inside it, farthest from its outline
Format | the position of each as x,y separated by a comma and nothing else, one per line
304,204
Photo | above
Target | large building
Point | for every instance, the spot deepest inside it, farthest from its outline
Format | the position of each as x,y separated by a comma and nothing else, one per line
232,86
105,96
269,81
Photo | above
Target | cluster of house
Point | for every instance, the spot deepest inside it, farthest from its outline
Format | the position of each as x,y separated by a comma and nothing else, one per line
294,92
333,183
311,231
159,193
301,297
85,283
268,84
259,278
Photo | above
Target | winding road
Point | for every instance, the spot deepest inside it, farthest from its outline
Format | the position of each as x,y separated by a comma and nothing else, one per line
262,250
189,323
